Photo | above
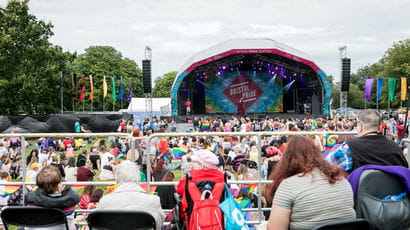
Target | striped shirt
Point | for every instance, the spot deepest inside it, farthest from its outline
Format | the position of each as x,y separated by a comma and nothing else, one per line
314,200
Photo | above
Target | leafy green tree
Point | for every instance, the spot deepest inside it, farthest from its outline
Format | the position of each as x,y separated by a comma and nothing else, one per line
163,85
29,64
106,61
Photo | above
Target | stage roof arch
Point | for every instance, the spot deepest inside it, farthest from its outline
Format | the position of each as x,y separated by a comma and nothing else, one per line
237,49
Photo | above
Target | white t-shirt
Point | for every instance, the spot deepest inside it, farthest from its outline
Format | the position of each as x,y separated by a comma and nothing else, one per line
104,159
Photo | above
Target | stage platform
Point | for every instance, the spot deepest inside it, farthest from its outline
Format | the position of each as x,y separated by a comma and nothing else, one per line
227,116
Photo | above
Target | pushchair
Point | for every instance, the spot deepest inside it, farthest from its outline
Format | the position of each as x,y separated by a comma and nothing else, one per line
198,194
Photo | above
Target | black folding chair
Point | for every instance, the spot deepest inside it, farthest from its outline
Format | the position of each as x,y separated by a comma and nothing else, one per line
355,224
33,217
116,219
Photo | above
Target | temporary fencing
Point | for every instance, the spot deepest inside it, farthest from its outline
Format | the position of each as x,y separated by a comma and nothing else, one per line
148,139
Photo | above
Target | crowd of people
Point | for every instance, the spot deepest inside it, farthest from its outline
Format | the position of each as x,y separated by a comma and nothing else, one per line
291,162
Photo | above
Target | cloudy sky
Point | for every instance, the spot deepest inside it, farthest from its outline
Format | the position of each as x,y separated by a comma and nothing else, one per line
176,29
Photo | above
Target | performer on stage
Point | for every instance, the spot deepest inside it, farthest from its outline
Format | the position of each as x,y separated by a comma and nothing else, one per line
241,108
188,106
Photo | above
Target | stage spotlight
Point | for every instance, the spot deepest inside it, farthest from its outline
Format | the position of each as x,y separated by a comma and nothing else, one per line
288,86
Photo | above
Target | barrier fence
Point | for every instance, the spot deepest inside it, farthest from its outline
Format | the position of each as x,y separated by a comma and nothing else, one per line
258,135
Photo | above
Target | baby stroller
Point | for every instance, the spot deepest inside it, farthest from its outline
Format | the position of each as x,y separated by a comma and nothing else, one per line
198,207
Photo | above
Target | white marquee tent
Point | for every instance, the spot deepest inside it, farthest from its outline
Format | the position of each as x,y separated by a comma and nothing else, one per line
160,106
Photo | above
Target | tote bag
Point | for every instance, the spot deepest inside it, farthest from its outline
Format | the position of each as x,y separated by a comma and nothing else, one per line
234,219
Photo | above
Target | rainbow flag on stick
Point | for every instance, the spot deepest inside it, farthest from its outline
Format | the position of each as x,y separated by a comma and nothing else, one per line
76,187
111,187
144,187
179,152
249,188
10,189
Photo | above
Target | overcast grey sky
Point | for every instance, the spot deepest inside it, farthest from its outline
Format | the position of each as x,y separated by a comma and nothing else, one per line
176,29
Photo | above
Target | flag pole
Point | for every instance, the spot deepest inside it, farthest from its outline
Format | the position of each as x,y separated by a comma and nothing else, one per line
61,92
377,94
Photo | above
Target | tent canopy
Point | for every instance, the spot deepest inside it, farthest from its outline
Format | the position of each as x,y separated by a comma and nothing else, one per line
346,109
138,104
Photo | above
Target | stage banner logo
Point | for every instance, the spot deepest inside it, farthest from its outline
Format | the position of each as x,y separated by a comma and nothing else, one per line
260,92
243,87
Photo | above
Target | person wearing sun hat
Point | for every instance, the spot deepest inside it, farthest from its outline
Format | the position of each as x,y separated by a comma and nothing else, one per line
203,168
32,171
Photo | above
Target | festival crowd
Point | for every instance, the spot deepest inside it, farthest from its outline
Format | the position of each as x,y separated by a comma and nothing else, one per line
291,162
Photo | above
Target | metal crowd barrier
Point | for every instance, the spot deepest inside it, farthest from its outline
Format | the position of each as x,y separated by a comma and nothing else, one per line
259,180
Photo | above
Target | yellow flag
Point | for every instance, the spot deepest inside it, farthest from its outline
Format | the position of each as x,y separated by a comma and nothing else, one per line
403,88
105,89
91,88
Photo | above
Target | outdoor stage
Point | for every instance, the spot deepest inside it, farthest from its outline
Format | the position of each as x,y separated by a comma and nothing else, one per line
272,79
226,116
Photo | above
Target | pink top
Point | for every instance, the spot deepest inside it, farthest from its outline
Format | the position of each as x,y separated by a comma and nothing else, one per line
188,104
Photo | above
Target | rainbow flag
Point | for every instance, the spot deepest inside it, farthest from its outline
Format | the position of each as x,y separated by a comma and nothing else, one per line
10,189
179,152
111,187
205,126
152,188
249,188
76,187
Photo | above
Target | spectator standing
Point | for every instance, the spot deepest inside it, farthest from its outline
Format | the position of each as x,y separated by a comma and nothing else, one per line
370,147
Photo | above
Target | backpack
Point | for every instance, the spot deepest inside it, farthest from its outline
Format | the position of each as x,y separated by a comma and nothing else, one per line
206,214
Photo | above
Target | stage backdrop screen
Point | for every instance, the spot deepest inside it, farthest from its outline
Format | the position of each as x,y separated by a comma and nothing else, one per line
261,92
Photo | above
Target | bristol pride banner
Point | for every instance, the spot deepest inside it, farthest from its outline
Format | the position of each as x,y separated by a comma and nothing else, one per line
260,92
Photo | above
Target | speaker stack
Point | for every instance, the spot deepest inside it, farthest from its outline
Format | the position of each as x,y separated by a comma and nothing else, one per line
146,76
345,74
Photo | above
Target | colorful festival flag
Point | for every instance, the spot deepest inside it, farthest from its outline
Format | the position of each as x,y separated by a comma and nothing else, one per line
145,188
76,187
379,87
249,188
368,88
91,88
105,88
113,89
111,187
179,152
129,94
120,91
10,189
403,88
82,89
392,87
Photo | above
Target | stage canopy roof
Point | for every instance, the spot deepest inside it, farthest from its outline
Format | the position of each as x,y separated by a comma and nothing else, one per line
249,50
240,44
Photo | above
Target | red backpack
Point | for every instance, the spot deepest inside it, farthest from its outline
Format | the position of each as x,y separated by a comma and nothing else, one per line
206,214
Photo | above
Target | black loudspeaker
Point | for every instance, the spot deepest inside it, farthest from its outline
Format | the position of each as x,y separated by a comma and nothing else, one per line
146,76
315,104
345,74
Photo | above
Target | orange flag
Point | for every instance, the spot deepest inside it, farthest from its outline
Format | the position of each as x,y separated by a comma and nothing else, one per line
403,88
91,88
